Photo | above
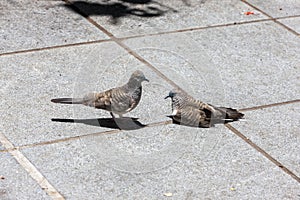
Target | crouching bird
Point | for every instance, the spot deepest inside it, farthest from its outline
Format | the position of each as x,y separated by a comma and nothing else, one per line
192,112
119,100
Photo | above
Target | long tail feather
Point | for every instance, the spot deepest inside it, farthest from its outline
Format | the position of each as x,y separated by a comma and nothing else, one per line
67,100
231,113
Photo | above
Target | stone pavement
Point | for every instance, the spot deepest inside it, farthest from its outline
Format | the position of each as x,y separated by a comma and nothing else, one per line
241,54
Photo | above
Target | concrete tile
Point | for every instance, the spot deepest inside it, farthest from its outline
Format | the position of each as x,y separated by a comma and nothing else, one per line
214,163
29,81
292,23
278,8
134,18
276,130
16,183
239,66
30,24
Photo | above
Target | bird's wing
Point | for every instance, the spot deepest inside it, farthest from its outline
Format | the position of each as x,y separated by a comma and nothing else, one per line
207,108
116,100
121,100
193,117
100,100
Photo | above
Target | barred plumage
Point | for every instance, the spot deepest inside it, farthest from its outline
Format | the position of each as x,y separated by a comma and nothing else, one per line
192,112
119,100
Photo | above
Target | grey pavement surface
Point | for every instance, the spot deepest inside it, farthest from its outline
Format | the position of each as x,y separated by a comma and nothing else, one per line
37,24
265,125
214,50
15,182
292,23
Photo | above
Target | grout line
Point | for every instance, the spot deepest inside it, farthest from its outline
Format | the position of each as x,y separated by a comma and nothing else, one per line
206,27
263,152
273,19
149,125
78,137
70,3
288,28
196,28
125,47
53,47
31,169
269,105
66,139
148,64
146,35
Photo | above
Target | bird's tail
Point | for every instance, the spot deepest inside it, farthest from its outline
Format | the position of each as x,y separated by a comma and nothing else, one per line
230,113
68,100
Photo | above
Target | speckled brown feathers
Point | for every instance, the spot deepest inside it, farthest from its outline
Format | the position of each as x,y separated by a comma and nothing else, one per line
192,112
119,100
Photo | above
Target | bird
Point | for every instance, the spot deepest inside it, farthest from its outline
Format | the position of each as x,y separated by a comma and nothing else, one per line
118,100
192,112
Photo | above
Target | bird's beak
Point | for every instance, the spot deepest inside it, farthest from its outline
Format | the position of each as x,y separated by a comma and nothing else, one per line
146,80
167,96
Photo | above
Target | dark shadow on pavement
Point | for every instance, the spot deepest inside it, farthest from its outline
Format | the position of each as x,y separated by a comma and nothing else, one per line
211,124
124,123
120,9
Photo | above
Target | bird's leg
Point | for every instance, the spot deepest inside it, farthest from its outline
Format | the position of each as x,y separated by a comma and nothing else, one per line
114,118
112,115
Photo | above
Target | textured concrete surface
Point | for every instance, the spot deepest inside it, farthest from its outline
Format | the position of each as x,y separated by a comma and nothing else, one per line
30,24
278,8
15,183
178,14
41,77
292,23
231,170
215,51
232,65
278,135
71,72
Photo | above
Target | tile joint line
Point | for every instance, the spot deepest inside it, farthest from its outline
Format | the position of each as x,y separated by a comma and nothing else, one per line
263,152
31,169
270,105
271,18
150,125
151,34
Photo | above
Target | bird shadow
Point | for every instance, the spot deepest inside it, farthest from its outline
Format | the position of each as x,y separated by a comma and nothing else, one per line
119,9
209,124
124,123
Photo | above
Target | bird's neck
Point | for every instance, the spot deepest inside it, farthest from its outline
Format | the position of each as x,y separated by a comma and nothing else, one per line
177,102
133,84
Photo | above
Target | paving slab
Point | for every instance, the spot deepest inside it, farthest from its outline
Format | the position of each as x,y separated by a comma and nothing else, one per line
292,23
30,24
228,169
29,81
276,130
240,66
278,8
15,182
127,18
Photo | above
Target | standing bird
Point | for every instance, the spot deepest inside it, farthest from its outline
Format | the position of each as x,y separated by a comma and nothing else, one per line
192,112
119,100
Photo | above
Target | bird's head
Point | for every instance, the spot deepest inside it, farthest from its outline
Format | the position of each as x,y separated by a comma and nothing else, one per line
172,94
139,76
